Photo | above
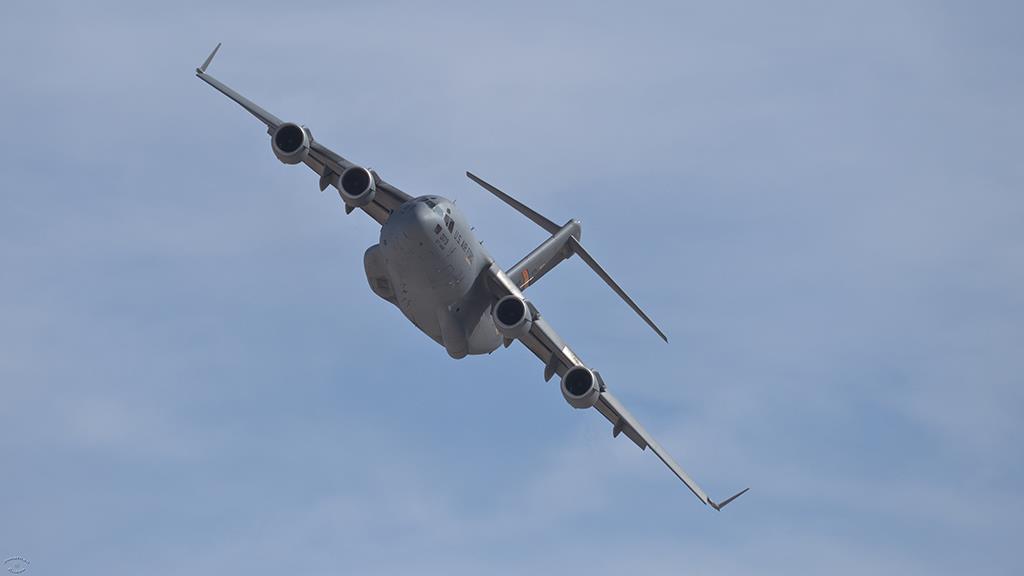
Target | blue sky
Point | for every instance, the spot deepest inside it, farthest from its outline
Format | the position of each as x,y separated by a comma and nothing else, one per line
820,203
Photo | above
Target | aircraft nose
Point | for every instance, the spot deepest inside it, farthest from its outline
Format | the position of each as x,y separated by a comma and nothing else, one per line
414,220
425,216
421,211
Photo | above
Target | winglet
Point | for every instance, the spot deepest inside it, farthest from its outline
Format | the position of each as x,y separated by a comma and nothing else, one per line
209,59
725,503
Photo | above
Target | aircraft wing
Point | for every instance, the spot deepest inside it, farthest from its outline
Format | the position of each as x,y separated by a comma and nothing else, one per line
558,358
327,164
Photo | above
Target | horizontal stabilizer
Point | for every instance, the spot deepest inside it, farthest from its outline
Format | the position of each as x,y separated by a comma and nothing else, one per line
582,253
523,209
572,241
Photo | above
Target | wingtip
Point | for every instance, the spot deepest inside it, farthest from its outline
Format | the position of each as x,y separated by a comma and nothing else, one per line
202,69
724,503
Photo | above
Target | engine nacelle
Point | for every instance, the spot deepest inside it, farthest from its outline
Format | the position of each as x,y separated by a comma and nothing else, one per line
357,186
290,143
580,387
512,317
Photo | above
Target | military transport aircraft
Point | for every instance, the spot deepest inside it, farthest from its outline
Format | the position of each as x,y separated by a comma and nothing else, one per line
429,264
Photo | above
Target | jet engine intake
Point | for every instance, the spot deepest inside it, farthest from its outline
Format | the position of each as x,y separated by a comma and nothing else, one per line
580,387
512,317
357,186
290,143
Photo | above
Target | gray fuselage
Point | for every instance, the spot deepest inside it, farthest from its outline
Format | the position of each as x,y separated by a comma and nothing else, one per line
428,263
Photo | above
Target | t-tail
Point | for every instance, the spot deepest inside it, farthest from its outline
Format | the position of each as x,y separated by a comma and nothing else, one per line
563,243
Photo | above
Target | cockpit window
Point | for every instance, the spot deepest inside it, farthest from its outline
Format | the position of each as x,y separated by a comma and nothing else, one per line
430,202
